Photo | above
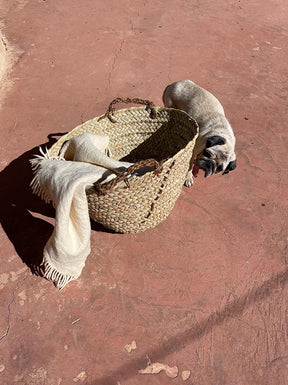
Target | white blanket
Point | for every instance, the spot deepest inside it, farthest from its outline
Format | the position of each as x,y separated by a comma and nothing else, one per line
64,182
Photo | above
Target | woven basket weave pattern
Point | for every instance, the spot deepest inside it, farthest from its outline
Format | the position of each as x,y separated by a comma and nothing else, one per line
149,199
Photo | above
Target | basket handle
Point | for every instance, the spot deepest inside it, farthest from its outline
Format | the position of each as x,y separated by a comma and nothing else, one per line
103,189
150,107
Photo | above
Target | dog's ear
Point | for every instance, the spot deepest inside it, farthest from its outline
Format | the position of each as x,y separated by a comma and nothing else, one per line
231,166
215,140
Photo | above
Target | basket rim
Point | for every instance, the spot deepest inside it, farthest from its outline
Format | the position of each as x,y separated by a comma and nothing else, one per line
157,108
194,125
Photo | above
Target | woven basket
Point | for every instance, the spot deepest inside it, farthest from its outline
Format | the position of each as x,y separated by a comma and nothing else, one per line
138,134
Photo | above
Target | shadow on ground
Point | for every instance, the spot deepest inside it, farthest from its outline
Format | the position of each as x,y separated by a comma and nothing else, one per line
197,331
17,202
28,233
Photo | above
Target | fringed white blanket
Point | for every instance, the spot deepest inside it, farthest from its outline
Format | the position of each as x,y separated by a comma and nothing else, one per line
64,182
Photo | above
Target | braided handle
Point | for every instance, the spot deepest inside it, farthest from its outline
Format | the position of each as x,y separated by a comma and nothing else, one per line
103,189
150,107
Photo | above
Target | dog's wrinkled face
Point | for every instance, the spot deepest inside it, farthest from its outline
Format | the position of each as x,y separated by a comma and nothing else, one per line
218,156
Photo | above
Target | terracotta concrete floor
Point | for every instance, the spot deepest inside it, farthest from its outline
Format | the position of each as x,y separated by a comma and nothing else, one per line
206,290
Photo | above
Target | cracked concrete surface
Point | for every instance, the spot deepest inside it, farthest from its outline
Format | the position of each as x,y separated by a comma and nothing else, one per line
206,290
18,286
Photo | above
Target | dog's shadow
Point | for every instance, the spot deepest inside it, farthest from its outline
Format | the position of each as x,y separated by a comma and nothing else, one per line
27,232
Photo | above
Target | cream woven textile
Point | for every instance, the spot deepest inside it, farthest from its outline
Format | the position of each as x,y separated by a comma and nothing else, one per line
64,182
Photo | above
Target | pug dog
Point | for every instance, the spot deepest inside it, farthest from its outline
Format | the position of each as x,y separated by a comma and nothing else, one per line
214,150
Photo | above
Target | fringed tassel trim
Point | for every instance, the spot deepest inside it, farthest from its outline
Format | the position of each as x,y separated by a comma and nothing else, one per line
60,280
36,165
47,154
36,189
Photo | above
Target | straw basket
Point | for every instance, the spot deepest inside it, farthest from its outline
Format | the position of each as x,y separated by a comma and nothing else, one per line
161,139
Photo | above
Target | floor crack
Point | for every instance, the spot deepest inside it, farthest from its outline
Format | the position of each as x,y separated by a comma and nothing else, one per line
19,284
114,62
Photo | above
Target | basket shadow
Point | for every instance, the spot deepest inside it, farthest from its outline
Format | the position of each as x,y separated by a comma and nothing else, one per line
27,233
197,331
95,226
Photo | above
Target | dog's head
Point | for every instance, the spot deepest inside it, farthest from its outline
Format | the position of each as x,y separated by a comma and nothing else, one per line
218,156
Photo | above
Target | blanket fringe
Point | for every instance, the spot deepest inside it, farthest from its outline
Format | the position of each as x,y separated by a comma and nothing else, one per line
49,272
36,189
47,155
36,165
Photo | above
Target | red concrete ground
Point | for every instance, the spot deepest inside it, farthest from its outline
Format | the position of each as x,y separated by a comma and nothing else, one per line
206,290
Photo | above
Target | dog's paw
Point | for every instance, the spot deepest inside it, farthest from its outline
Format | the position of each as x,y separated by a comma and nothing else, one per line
189,180
188,183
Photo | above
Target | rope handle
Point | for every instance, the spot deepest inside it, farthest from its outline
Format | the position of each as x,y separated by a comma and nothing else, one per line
103,189
150,107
